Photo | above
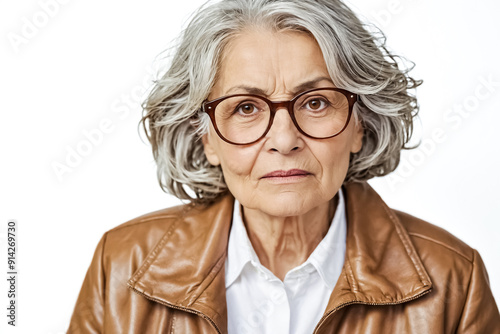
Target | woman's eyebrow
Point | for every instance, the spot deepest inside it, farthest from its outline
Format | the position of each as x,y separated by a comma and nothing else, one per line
310,84
247,89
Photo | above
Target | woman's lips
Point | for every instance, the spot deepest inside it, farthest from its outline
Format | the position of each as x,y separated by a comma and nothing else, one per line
286,174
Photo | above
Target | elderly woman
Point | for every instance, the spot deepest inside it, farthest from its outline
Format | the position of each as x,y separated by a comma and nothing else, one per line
270,119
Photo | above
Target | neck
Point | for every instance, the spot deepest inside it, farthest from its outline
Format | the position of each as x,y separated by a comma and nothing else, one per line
283,243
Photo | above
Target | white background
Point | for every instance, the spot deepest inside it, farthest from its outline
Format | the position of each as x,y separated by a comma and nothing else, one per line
87,63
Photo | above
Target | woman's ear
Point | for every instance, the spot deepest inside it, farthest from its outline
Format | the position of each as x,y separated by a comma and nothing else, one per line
357,141
210,151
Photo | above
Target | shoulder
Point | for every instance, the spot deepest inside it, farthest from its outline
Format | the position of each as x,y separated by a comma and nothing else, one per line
459,277
128,244
148,224
133,240
429,240
436,246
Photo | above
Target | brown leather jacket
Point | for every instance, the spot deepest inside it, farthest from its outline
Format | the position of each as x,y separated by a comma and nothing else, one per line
164,273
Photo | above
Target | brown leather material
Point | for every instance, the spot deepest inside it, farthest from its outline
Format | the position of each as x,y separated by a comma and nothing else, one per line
164,273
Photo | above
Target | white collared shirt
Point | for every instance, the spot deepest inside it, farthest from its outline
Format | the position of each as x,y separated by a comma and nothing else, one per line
259,302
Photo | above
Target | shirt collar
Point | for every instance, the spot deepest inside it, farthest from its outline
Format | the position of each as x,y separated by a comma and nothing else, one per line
327,258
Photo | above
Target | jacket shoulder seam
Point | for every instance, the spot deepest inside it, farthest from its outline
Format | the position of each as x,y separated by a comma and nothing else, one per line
404,237
152,256
468,290
105,239
424,237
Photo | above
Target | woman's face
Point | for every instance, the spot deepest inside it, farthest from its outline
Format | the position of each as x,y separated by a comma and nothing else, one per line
281,65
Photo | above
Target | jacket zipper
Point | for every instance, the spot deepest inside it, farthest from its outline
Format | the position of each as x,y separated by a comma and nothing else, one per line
366,303
315,330
204,316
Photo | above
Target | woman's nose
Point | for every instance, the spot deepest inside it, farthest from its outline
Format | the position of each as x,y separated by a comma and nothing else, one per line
283,136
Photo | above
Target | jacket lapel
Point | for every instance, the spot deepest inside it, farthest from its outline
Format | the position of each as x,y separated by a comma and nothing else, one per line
186,268
381,264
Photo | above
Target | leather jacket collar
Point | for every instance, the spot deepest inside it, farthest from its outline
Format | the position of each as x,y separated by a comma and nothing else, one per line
186,268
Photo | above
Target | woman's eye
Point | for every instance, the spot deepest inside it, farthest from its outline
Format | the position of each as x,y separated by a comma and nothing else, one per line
246,109
316,104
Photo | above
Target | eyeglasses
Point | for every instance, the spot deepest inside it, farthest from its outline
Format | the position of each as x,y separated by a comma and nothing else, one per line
243,119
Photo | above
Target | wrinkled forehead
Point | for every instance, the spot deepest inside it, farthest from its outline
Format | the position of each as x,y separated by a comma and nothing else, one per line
271,62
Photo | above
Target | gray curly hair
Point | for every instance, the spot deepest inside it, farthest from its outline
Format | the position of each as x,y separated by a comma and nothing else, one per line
357,60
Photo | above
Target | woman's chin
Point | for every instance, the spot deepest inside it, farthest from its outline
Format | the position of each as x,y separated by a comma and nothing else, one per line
288,204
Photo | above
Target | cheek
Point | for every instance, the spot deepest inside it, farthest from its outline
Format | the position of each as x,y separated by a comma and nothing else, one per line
334,158
238,161
338,159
